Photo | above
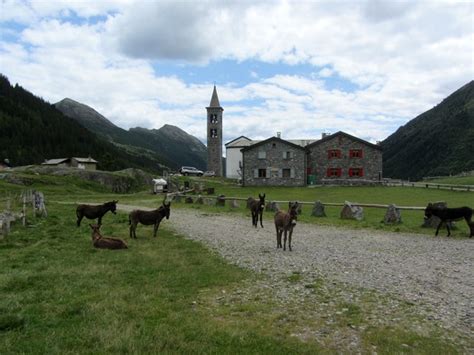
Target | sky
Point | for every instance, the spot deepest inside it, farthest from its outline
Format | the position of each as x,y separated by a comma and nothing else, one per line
301,68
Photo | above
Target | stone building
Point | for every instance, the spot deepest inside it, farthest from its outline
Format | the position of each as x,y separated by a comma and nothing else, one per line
340,157
80,163
214,134
274,162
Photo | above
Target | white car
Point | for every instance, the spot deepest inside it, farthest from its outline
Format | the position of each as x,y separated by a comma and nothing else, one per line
190,170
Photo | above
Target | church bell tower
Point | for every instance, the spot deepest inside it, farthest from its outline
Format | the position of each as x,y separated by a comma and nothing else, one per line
214,135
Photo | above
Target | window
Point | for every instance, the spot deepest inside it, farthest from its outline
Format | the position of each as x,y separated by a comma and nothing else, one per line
262,173
213,133
334,153
213,118
356,172
286,173
288,155
334,172
355,153
262,154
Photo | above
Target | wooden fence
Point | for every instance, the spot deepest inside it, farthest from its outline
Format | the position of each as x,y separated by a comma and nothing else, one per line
16,207
428,185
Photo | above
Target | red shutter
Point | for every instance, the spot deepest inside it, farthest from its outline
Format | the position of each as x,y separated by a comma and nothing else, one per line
361,153
361,172
339,172
350,171
329,154
328,172
338,153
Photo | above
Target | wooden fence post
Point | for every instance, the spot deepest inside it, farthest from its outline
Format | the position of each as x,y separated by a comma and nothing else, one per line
23,218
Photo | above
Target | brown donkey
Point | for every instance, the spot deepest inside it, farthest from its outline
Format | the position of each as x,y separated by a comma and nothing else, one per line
105,242
285,222
148,218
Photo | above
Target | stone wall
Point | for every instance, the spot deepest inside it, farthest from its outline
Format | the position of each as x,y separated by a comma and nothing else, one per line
318,161
274,163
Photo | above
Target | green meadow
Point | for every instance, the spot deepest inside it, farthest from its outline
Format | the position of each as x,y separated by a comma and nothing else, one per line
60,295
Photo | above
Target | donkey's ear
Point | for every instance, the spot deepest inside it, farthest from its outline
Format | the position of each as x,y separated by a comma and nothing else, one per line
263,195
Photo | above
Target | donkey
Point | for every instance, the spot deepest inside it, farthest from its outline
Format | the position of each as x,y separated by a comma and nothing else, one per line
285,222
148,218
257,207
93,212
450,214
105,242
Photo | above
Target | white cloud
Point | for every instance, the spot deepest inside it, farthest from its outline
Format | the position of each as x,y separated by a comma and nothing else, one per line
403,57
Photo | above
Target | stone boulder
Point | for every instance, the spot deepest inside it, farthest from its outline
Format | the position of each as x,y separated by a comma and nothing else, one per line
220,201
234,204
272,206
318,210
350,211
393,215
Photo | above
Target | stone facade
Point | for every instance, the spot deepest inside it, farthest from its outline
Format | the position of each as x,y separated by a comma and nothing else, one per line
342,157
274,162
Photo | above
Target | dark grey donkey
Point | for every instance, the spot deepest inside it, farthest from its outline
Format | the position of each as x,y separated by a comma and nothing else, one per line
148,218
285,222
257,207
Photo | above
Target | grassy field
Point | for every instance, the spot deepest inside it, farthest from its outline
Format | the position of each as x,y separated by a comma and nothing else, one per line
170,295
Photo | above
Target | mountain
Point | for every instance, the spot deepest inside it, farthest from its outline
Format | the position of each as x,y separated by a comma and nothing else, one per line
32,130
438,142
170,144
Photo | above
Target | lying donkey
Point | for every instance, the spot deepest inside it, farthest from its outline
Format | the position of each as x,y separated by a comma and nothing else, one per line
105,242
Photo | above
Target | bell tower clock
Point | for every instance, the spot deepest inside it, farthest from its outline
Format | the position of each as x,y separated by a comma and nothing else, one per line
214,135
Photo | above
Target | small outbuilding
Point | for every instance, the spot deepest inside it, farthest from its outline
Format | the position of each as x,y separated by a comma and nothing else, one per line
160,185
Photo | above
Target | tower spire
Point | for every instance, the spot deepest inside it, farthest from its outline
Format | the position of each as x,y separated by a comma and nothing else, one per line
214,98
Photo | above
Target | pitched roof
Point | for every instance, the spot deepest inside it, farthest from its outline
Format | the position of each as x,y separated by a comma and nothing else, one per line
85,160
269,140
340,133
214,99
230,143
55,161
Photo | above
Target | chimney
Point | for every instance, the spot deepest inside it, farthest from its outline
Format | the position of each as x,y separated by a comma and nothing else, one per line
324,135
278,134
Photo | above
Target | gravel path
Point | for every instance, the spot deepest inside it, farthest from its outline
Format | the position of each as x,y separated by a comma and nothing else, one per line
433,273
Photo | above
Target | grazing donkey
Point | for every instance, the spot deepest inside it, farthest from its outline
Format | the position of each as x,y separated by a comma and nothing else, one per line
148,218
257,207
93,212
450,214
285,222
105,242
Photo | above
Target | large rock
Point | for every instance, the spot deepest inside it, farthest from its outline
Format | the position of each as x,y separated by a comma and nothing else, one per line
272,206
393,215
318,210
234,204
220,201
199,200
350,211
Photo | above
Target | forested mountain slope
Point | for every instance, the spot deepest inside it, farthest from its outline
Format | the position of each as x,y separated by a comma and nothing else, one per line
437,142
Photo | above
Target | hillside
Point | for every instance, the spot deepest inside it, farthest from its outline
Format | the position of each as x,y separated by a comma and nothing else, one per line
169,144
437,142
32,130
